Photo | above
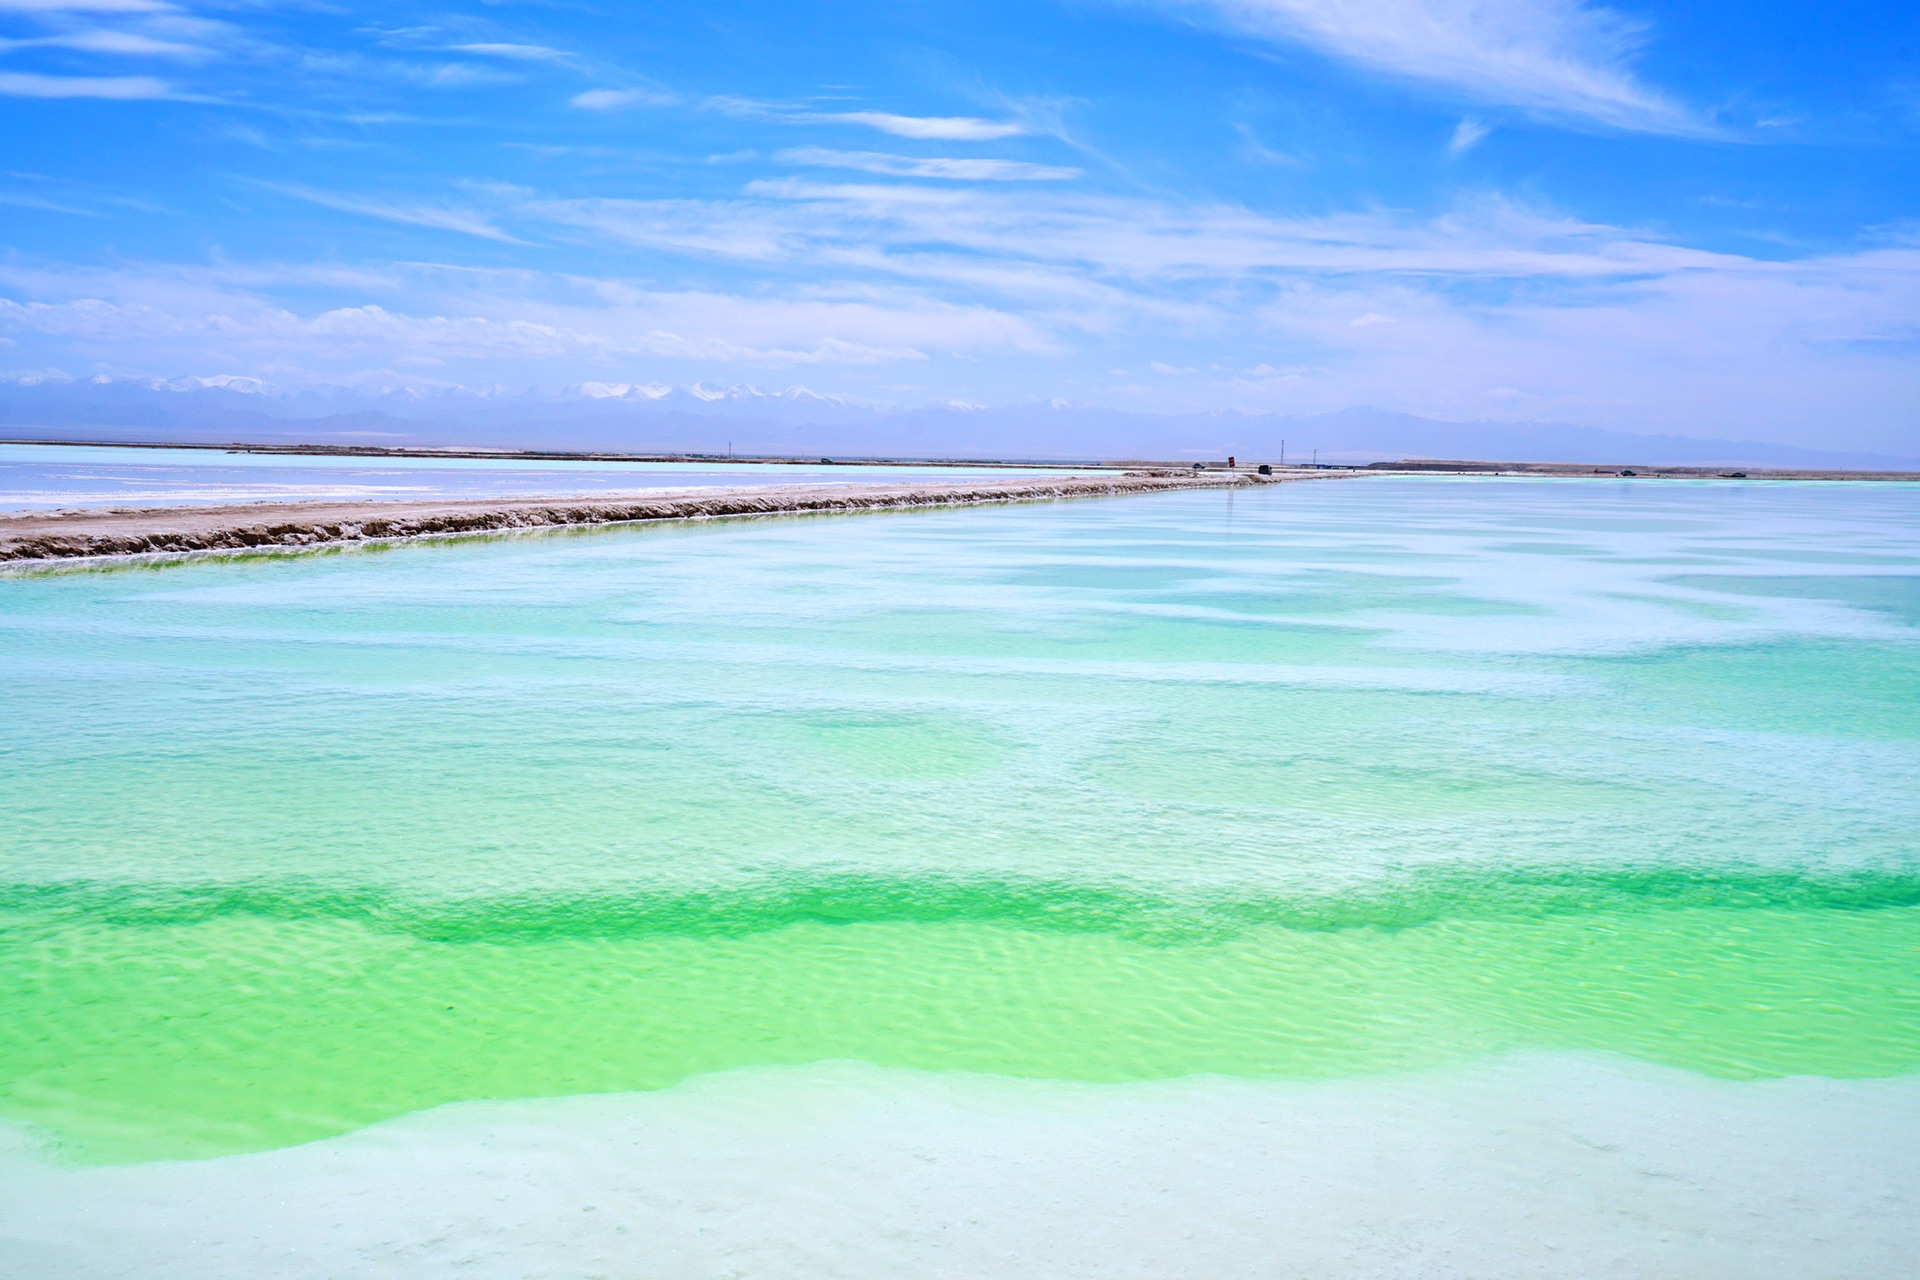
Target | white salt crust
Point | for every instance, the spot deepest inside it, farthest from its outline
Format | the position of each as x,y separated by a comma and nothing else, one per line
1532,1165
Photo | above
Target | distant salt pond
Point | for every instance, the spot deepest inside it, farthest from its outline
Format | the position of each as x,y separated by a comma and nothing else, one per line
48,477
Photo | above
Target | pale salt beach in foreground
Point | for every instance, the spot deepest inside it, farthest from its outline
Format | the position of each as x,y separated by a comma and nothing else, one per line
1535,1165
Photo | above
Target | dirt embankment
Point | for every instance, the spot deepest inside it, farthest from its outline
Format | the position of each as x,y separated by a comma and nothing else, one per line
161,530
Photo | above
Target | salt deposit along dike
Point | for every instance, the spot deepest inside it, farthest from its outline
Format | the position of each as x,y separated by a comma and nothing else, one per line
120,531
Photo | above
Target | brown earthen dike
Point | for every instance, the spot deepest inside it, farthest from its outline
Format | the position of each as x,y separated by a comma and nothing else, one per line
124,531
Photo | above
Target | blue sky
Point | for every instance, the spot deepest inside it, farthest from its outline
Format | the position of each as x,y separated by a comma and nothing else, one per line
1679,217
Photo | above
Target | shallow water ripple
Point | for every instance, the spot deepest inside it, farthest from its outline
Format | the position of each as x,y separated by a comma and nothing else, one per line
1308,784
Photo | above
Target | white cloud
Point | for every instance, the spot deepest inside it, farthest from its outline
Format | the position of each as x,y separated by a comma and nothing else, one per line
1467,135
124,43
923,128
518,52
905,227
440,217
491,323
1011,292
615,99
28,200
933,128
27,84
1560,56
455,75
84,6
1597,323
740,231
966,169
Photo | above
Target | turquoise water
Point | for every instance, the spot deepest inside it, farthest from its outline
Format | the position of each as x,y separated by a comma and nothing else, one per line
42,477
1325,783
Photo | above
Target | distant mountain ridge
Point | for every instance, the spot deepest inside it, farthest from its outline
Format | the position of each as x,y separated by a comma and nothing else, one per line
798,422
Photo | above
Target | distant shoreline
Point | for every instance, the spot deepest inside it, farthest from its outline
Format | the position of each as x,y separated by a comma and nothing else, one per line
70,534
1641,471
584,455
42,537
1729,471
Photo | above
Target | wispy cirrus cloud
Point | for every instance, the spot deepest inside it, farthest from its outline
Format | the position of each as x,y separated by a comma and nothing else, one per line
922,128
1563,57
958,168
1492,310
105,40
741,231
439,217
31,200
28,190
619,99
905,225
515,52
1467,135
500,321
931,128
85,6
28,84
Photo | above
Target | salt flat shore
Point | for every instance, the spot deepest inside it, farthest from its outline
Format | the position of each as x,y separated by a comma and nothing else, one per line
123,531
1725,471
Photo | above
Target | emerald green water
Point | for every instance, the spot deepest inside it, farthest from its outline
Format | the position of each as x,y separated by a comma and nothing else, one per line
1321,781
